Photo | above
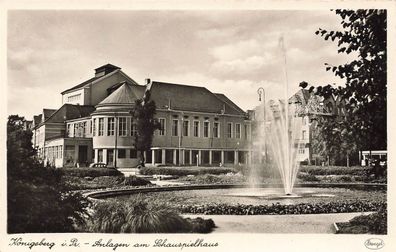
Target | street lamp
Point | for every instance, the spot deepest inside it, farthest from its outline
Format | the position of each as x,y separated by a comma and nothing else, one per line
261,92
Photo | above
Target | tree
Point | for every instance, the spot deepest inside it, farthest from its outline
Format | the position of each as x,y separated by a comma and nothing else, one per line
143,114
364,123
37,200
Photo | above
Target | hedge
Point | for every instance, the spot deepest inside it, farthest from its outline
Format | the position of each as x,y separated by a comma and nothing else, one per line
184,171
90,172
336,170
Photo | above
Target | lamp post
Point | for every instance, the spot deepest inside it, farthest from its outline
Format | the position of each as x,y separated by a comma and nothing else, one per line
261,92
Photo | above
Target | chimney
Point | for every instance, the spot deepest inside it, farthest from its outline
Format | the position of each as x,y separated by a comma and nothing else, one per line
147,81
105,69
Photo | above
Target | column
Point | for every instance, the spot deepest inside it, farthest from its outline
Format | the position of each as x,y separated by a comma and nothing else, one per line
174,156
236,157
153,157
105,156
163,160
222,157
210,157
191,159
199,157
96,156
181,157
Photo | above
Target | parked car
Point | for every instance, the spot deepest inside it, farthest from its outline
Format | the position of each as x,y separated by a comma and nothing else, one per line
98,165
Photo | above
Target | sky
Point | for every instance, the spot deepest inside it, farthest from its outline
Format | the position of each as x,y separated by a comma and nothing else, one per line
232,52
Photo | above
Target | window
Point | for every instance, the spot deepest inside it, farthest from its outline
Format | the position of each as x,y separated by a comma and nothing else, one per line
247,132
101,127
74,98
304,134
122,126
175,129
229,130
206,129
196,128
216,129
84,128
100,156
132,153
110,126
121,153
238,130
94,127
133,128
60,151
69,134
301,151
90,127
186,130
162,127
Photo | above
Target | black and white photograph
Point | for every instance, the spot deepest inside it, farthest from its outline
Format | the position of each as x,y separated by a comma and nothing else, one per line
216,122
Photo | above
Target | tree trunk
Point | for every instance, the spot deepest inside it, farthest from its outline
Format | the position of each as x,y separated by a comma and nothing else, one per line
142,160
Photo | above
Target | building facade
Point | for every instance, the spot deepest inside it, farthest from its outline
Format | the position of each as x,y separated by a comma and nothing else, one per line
95,125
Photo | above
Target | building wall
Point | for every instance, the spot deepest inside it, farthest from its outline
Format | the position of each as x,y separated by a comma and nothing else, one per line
75,97
200,142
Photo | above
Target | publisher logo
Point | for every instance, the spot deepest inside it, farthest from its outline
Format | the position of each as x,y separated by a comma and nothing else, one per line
374,243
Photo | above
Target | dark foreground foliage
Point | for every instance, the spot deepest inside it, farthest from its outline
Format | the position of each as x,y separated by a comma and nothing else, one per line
37,200
302,208
136,181
141,217
375,223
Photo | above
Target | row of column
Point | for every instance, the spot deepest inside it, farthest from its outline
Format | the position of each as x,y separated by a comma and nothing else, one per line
248,159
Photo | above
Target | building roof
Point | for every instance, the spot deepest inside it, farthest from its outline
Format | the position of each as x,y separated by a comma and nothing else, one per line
105,69
81,84
124,94
69,112
48,112
191,98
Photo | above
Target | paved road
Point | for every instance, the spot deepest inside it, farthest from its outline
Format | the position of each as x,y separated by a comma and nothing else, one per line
303,224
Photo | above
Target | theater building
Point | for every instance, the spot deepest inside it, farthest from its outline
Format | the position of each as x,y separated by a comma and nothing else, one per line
94,125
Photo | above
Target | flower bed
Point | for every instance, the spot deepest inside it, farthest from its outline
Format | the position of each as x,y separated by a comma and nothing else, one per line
376,223
90,172
302,208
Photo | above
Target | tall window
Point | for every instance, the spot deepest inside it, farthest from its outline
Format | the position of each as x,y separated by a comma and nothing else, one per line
90,127
122,126
229,130
216,129
101,126
196,128
133,128
162,128
121,153
68,132
175,128
238,130
206,129
304,134
247,132
110,126
186,126
94,127
100,156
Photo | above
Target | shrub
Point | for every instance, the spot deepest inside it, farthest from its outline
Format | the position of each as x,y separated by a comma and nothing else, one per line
307,177
90,172
214,179
81,183
141,217
184,171
136,181
335,170
376,223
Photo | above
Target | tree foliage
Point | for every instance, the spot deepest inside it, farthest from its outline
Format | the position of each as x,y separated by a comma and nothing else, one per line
37,199
363,123
143,114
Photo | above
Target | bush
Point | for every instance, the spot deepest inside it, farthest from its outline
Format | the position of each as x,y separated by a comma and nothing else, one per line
376,223
136,181
82,183
307,177
90,172
335,170
184,171
214,179
141,217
